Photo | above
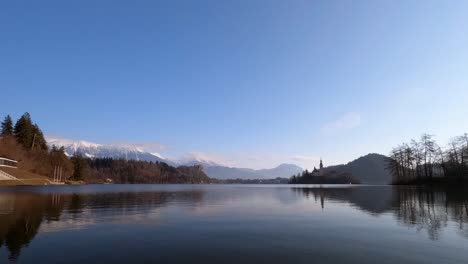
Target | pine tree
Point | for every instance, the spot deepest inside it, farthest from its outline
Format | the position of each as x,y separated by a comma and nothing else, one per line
24,131
7,126
38,138
28,134
79,167
57,156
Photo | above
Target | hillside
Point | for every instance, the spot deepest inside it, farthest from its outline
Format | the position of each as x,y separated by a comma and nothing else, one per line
368,169
101,170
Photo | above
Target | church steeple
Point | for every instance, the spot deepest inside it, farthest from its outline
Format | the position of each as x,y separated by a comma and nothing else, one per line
321,164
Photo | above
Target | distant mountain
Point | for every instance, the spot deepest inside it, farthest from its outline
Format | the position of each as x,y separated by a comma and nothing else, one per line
222,172
196,161
130,152
94,150
282,171
369,169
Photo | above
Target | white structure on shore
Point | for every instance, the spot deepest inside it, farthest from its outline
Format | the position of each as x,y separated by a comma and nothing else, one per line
8,163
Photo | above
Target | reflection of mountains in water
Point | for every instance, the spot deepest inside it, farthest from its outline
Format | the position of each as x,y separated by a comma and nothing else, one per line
424,208
22,214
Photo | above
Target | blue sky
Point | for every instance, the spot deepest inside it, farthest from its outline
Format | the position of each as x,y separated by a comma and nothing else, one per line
246,83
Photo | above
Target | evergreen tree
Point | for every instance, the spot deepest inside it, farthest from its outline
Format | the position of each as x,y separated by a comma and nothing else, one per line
7,126
39,140
24,131
57,156
79,167
28,134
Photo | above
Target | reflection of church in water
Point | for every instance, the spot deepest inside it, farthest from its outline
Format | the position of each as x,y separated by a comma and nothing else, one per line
318,172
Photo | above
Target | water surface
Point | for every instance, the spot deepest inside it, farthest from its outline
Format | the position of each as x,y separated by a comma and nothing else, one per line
233,224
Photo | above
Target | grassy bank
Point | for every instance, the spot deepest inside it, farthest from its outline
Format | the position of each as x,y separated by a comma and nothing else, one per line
23,178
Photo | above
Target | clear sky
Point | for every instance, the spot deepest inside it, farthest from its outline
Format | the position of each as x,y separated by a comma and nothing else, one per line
250,83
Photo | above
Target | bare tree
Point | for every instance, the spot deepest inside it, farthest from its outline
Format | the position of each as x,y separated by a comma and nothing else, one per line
425,160
418,157
428,150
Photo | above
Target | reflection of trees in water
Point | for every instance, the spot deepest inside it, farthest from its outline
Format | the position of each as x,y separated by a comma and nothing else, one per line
19,226
423,208
317,194
374,200
459,210
432,209
21,233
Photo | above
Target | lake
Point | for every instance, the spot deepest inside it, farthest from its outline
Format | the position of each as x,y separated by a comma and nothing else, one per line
233,224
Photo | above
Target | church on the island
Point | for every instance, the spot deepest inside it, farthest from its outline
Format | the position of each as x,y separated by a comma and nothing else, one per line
318,172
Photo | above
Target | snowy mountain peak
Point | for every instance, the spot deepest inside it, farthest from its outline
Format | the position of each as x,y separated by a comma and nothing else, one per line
75,144
95,150
193,158
203,162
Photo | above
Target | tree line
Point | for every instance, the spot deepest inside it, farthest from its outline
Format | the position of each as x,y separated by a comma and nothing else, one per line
425,161
134,171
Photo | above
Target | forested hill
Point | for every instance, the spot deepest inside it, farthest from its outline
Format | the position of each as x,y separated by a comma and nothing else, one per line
369,169
132,171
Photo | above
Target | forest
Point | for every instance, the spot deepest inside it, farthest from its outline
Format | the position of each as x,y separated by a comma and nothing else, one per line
424,161
101,170
24,142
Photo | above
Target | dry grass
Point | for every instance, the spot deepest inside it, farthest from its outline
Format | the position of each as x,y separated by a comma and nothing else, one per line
10,183
24,177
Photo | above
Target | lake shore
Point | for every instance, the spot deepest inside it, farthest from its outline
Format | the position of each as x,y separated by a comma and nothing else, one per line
19,177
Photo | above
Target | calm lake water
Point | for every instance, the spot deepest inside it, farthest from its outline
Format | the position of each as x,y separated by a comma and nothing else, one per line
233,224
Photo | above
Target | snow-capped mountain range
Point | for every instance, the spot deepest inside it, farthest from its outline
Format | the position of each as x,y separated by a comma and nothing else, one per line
94,150
135,152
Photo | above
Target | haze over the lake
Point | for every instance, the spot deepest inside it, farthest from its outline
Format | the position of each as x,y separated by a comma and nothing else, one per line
241,83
